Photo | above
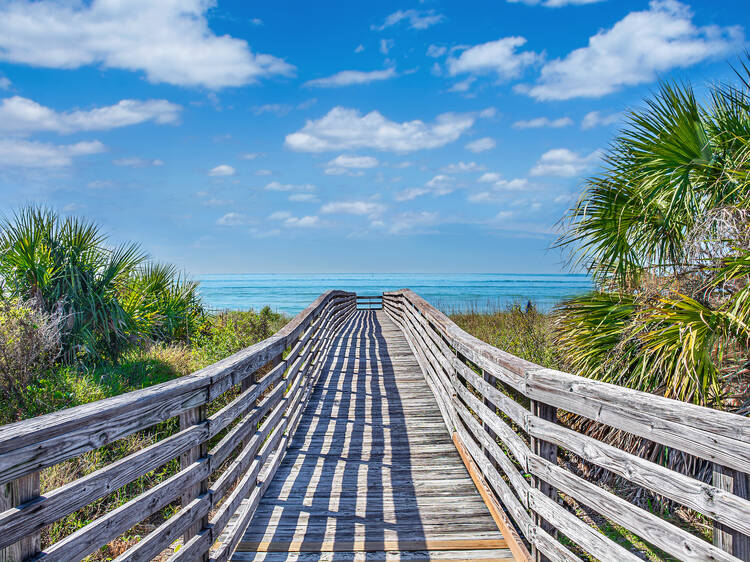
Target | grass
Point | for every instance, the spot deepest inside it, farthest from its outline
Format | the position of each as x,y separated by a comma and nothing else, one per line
138,367
529,334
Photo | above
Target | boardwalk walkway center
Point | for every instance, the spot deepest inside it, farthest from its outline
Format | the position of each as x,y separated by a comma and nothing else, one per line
373,428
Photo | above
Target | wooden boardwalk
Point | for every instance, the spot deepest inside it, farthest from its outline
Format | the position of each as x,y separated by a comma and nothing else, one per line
371,472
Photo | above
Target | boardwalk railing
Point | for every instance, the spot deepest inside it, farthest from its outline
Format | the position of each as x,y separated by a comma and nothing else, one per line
369,302
503,411
234,427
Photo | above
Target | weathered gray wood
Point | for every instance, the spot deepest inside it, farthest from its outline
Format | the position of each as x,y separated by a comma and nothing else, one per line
656,531
116,522
188,419
40,512
725,537
547,451
13,494
709,500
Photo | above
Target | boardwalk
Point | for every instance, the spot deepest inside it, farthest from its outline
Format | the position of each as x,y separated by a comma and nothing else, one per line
371,467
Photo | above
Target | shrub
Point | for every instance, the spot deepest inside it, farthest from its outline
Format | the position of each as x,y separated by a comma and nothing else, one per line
29,345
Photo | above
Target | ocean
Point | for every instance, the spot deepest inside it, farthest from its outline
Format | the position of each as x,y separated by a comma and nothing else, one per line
291,293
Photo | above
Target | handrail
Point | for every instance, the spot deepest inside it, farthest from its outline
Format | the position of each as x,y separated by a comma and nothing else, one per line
503,411
242,443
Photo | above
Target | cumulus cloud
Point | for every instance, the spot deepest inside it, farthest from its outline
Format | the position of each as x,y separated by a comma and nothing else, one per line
410,221
351,77
170,41
222,170
635,50
540,122
233,219
436,51
352,161
499,189
135,162
555,3
498,57
302,198
24,116
596,119
438,186
460,167
347,129
563,163
480,145
276,186
16,153
353,208
417,19
5,83
289,220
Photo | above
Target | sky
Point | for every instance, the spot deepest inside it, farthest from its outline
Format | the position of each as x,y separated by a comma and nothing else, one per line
287,137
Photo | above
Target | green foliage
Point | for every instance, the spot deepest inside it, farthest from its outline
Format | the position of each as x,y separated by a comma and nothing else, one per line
665,232
229,332
163,304
110,296
525,333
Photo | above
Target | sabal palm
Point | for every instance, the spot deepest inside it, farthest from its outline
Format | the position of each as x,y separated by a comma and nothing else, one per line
647,229
66,262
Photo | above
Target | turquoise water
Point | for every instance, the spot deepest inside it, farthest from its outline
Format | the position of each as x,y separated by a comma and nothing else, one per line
449,292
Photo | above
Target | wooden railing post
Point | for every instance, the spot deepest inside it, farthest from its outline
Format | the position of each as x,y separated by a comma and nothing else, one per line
12,494
727,539
192,417
547,451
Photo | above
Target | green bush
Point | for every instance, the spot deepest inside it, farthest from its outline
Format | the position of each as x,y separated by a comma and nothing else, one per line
29,346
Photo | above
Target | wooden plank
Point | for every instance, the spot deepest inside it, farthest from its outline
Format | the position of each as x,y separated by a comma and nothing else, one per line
713,502
372,545
727,538
514,542
12,494
546,450
653,529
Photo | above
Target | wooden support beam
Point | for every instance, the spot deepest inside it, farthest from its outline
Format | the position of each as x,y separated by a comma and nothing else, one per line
547,451
727,539
12,494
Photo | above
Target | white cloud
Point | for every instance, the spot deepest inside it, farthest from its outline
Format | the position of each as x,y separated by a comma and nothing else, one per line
555,3
417,19
276,186
596,119
23,116
386,45
435,51
351,77
480,145
233,219
302,198
16,153
352,161
463,85
410,221
359,48
540,122
290,220
222,170
251,155
494,57
635,50
5,83
564,163
353,208
277,108
438,186
214,202
170,41
500,188
343,171
489,177
460,167
347,129
263,172
135,162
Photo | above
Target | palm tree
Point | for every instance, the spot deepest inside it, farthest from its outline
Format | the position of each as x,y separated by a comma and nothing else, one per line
665,232
65,264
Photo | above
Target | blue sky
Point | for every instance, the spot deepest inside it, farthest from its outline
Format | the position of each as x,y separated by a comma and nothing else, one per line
335,136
